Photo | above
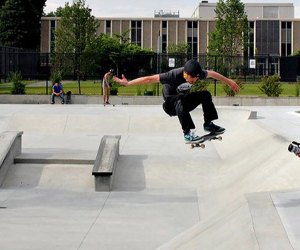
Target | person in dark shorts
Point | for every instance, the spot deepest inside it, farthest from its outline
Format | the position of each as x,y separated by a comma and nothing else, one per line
179,101
106,85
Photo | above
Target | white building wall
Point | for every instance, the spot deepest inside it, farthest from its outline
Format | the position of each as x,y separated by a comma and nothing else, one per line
206,11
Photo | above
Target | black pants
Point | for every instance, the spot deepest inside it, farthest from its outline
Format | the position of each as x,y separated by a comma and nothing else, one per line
182,105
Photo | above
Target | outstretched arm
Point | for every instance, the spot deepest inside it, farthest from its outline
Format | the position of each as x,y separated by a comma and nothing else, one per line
137,81
232,84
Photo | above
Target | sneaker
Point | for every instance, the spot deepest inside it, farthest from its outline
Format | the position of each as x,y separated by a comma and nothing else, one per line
191,136
52,102
107,103
62,102
211,127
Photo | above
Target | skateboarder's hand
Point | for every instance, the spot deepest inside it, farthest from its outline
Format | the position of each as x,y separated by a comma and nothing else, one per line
233,85
122,81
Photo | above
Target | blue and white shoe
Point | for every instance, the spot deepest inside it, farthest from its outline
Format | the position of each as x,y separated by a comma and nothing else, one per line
191,136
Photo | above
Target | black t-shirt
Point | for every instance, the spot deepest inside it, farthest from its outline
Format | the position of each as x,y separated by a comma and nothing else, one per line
173,78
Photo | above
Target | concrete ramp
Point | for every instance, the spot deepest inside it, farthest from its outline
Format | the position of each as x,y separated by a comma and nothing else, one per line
253,160
230,229
240,193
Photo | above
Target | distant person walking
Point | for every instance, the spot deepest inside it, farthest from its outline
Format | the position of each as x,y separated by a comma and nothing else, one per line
106,85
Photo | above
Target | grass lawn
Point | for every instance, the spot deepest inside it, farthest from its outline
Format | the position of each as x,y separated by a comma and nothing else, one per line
94,88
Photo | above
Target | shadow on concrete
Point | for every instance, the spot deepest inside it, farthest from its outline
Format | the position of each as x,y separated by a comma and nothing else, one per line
130,173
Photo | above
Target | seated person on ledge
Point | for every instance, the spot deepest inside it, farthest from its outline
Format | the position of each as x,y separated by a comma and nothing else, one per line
57,90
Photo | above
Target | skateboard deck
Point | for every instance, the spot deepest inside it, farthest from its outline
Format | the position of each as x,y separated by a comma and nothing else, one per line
203,139
108,104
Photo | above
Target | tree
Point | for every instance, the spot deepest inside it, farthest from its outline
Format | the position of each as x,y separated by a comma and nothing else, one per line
20,23
180,48
296,53
179,51
231,34
118,52
75,35
57,13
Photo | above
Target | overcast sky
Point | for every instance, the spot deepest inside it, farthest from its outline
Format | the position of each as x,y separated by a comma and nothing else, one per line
146,8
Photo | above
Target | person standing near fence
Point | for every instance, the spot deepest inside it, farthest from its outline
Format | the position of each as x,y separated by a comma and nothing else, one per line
106,85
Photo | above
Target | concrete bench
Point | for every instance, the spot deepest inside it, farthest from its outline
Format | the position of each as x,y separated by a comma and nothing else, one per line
10,147
105,162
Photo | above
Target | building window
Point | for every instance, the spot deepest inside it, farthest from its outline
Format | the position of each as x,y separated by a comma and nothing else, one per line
267,37
136,32
251,40
52,34
192,36
286,38
164,36
108,27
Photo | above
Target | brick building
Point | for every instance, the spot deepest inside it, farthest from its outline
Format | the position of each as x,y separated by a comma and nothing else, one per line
274,30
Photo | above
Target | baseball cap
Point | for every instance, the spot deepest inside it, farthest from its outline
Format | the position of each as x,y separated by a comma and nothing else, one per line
112,71
194,69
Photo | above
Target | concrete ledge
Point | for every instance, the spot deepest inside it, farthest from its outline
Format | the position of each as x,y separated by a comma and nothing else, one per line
10,147
105,162
152,100
253,115
54,159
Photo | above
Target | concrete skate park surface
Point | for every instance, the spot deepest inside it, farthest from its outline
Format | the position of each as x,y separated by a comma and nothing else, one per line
240,193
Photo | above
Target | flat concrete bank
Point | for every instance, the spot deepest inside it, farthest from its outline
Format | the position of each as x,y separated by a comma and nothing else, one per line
151,100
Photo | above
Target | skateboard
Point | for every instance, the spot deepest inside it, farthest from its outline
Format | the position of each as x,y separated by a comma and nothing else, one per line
204,138
109,104
68,99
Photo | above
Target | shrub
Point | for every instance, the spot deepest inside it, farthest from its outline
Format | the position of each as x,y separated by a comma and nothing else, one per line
18,87
56,77
152,91
138,90
114,89
271,86
297,86
200,85
229,91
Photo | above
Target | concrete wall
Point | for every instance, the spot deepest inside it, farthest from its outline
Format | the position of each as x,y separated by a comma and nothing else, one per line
151,100
10,147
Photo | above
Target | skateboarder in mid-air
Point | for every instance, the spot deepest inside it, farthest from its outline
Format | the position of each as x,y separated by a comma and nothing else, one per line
181,104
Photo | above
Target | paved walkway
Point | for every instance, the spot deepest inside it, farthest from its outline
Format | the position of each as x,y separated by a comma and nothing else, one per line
165,195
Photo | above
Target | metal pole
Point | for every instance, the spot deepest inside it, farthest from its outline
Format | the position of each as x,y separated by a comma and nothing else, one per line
159,51
47,72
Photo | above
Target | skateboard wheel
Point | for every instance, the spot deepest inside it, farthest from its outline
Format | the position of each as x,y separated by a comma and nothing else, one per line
220,138
192,146
202,146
